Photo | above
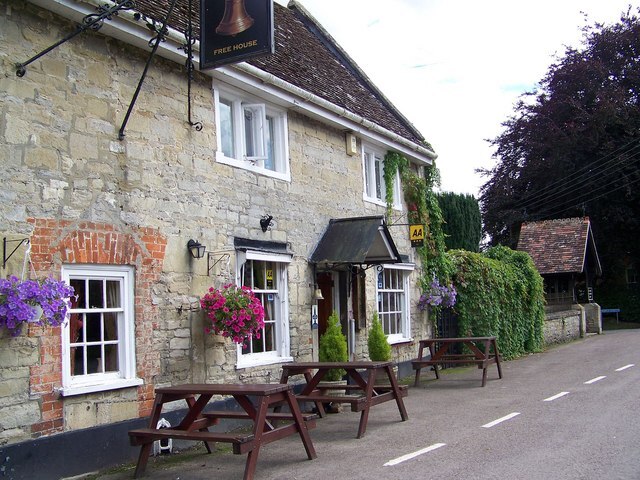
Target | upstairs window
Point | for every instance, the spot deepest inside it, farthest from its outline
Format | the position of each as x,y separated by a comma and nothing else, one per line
251,134
374,186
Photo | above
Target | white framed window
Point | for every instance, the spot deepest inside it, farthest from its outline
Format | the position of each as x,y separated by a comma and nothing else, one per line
98,341
266,275
252,134
374,185
392,289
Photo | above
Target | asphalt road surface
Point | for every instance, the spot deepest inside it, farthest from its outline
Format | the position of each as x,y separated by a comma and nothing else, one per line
572,412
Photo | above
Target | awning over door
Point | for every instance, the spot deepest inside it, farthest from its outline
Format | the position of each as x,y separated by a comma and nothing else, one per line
355,241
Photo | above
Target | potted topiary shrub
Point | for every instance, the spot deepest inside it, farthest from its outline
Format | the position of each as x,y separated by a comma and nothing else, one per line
379,348
333,348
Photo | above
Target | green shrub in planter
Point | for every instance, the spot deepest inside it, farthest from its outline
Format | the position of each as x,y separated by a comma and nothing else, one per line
333,347
379,348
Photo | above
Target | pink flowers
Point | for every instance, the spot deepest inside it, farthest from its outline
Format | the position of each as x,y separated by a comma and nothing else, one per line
233,312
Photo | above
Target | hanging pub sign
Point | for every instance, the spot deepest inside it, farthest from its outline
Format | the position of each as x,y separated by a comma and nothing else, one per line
232,31
416,235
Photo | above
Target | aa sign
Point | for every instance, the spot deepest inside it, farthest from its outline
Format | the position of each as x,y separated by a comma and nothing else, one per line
416,235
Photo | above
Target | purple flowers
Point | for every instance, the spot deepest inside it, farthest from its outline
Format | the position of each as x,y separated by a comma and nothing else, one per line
233,312
21,301
438,295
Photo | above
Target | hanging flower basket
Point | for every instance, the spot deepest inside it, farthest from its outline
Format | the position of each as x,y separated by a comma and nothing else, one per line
233,312
438,296
42,302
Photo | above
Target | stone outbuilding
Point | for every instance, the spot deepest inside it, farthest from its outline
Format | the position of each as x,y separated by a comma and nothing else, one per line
256,162
565,254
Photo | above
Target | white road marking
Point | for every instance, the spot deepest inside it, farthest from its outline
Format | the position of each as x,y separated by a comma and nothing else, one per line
625,367
409,456
594,380
558,395
500,420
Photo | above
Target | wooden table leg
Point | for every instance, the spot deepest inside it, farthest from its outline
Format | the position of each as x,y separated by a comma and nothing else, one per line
258,428
432,352
145,449
417,380
364,415
497,354
302,425
396,391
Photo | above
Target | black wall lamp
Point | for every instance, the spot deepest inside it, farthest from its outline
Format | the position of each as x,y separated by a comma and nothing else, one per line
196,249
265,222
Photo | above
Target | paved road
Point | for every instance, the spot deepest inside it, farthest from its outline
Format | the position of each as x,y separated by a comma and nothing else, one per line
571,413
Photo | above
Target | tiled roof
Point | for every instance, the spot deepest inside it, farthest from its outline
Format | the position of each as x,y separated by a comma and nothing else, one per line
307,57
558,246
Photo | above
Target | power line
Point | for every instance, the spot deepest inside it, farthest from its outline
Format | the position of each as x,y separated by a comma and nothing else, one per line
555,188
578,185
553,213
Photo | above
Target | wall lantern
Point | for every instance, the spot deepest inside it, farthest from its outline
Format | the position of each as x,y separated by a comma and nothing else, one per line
266,222
196,249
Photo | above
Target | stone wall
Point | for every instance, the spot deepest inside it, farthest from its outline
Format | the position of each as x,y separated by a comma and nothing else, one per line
564,325
83,196
593,317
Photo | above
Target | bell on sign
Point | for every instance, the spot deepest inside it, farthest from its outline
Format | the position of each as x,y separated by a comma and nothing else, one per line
235,19
416,235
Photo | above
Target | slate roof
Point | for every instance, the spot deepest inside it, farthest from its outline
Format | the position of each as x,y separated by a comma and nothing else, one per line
559,246
309,58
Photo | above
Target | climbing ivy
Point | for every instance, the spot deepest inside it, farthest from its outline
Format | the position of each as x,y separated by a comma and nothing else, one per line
500,294
423,208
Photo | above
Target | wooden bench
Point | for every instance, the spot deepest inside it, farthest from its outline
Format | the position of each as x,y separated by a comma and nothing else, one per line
255,399
361,394
242,443
358,402
440,356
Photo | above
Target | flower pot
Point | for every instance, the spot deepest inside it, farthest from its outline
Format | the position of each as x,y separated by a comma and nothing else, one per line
37,314
382,378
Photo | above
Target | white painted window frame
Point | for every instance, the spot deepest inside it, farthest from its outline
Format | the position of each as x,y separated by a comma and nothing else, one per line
126,376
282,352
369,155
406,269
263,112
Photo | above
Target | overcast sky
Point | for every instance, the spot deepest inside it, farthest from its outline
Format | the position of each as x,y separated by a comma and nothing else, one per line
456,68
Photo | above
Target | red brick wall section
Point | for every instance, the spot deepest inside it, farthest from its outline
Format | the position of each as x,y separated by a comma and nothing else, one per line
58,242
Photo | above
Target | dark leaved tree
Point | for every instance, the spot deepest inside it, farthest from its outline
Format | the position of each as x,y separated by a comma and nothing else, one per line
572,147
462,222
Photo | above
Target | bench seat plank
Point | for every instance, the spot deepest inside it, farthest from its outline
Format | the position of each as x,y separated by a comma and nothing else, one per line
242,442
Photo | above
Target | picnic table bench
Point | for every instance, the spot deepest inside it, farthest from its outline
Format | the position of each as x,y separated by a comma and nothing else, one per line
361,395
439,350
195,423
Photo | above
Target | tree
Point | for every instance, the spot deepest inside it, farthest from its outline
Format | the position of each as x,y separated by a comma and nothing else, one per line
572,148
462,221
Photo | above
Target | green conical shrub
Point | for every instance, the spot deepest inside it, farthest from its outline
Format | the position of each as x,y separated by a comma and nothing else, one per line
379,348
333,347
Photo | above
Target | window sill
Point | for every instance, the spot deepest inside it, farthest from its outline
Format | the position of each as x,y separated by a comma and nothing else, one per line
257,362
245,165
400,341
100,387
380,203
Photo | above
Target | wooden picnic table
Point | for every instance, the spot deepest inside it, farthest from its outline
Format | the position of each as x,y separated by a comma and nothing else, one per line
194,425
361,394
439,350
